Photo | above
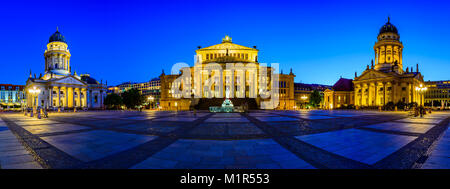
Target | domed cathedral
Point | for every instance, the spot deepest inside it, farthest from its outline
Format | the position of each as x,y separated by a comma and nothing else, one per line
58,88
231,79
385,80
388,49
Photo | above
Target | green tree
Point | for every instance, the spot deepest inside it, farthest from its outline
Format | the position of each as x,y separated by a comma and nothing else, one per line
132,98
113,101
315,98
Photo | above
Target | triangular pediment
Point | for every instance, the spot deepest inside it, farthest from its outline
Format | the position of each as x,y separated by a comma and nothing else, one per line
69,80
229,46
372,74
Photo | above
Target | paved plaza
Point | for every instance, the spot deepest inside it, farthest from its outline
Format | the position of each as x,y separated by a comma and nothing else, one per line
313,139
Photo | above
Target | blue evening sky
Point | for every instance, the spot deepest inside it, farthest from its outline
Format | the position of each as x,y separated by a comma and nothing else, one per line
122,41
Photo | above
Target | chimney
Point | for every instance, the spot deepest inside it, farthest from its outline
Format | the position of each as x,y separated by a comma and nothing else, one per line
417,67
356,75
407,70
372,64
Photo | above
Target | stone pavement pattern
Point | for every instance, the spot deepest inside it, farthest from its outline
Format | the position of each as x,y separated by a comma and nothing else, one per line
260,139
12,154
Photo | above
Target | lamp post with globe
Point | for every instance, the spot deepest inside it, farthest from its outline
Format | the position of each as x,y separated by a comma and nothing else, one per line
34,92
421,89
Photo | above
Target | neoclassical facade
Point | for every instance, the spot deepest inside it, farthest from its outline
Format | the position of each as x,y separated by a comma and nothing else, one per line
386,80
58,87
242,84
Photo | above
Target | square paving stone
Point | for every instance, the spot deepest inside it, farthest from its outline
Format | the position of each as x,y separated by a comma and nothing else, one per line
178,119
153,126
138,118
364,146
262,115
40,129
223,115
197,154
403,127
279,118
226,129
92,145
35,122
104,123
313,117
421,120
226,119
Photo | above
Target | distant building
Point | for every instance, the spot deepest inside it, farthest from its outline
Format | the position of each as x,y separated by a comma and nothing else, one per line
437,94
150,89
11,96
340,95
303,91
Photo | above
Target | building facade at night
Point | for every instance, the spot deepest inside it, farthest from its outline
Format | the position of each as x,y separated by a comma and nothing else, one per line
58,87
340,95
386,80
228,81
438,94
302,93
11,96
150,89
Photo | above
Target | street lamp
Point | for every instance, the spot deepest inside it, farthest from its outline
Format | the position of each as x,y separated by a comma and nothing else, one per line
421,89
304,100
151,98
34,91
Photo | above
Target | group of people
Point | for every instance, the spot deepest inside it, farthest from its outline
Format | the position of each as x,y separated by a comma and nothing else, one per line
420,111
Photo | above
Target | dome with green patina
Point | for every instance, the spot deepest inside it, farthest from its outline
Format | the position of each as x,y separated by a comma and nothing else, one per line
388,28
57,37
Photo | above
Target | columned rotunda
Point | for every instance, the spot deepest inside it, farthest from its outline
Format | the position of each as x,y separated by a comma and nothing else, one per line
58,87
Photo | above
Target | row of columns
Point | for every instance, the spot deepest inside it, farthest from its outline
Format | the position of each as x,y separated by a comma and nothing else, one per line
392,54
370,98
60,59
66,93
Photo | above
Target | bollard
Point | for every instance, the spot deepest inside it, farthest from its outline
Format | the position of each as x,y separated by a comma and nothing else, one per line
75,109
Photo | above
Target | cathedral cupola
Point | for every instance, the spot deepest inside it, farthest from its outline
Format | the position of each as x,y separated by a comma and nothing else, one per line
388,49
57,55
388,31
57,37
